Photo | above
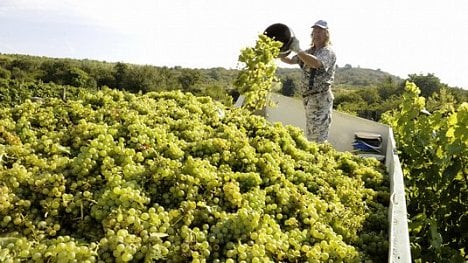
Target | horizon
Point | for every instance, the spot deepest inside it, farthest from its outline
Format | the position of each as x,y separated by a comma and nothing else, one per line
175,66
278,66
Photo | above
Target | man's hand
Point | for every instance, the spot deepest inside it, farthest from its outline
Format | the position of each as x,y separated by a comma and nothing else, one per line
294,46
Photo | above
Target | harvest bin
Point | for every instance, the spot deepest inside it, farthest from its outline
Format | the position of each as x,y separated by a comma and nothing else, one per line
290,111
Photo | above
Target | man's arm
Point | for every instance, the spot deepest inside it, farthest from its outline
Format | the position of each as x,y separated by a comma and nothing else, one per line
309,59
289,60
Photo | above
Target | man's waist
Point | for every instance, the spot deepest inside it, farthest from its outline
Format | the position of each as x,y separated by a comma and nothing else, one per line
314,92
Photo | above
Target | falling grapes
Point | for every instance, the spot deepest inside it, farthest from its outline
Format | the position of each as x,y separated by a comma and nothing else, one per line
170,177
257,76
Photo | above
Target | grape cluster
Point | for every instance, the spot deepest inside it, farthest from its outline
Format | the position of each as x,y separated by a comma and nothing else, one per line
257,77
170,177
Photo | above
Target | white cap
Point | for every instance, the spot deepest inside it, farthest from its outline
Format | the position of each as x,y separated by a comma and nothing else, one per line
321,23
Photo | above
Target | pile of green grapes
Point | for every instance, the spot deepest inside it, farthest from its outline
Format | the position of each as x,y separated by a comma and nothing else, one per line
170,177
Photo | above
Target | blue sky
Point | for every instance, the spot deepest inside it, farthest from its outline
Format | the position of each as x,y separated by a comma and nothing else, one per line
397,36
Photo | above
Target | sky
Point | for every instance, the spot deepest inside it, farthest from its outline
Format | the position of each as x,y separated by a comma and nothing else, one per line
400,37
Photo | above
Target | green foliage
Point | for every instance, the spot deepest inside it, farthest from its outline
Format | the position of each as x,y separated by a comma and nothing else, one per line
78,78
371,102
370,96
443,100
255,79
14,92
428,84
433,151
216,92
121,76
348,102
389,88
91,74
365,103
189,79
4,73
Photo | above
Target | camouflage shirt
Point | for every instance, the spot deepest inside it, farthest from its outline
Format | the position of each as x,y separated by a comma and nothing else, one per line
318,80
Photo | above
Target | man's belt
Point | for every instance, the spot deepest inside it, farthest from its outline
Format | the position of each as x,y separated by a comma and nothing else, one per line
313,92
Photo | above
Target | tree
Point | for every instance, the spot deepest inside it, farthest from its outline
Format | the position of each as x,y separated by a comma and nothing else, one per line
388,88
145,78
120,75
77,78
188,78
428,84
349,102
369,95
99,72
166,79
55,71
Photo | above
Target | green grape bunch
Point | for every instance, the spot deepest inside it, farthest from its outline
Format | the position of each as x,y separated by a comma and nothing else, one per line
255,80
164,177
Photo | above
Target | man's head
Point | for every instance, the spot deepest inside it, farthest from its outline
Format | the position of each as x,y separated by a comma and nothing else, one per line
320,35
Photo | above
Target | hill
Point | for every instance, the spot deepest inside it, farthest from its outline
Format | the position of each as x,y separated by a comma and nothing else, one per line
355,88
362,76
21,65
347,76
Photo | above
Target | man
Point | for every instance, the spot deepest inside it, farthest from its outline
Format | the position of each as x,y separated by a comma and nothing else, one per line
318,64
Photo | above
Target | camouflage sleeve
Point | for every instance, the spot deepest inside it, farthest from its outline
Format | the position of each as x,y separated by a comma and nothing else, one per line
327,57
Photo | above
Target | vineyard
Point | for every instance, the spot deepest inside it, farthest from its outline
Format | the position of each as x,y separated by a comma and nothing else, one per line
432,147
108,175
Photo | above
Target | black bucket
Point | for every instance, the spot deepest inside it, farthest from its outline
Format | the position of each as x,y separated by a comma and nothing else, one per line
282,33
